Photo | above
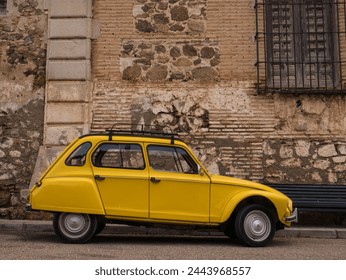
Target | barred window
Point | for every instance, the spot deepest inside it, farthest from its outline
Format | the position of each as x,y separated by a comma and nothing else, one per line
3,6
298,45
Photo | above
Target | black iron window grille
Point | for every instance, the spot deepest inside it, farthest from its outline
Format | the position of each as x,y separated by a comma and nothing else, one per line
299,45
3,6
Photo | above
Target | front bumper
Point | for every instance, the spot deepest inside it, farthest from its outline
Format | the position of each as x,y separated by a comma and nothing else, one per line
293,218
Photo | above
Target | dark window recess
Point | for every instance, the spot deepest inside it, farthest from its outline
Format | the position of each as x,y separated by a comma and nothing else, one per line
3,6
299,45
171,159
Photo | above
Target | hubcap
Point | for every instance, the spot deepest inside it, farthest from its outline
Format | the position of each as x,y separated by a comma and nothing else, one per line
257,225
74,225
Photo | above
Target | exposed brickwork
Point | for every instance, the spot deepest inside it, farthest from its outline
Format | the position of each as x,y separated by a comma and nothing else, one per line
230,125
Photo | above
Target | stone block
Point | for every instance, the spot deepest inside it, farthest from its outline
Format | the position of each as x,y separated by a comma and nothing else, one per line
327,151
70,8
341,233
69,91
69,28
62,135
66,112
69,70
69,49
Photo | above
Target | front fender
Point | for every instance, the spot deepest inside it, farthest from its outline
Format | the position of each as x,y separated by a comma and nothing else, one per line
67,194
279,201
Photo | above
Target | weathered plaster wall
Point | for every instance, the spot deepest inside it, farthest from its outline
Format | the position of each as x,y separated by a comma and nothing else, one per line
22,86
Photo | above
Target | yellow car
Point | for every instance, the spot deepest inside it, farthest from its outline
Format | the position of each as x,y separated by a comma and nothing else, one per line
141,177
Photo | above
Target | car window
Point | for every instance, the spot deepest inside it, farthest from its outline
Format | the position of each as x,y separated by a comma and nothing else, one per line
111,155
172,159
77,157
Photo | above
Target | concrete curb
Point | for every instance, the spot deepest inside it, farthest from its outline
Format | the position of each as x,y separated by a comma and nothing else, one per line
46,226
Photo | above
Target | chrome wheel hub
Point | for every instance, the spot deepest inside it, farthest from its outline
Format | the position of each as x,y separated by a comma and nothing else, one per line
257,225
74,225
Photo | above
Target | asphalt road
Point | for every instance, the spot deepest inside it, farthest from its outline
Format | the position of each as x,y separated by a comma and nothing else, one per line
46,246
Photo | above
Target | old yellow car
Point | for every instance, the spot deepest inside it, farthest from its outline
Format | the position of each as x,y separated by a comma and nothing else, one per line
144,178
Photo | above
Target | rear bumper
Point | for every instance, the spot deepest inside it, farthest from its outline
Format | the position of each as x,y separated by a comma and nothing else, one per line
27,207
293,218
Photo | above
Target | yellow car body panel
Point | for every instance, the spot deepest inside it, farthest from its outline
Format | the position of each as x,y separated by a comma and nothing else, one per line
176,196
124,192
228,192
145,194
180,197
71,194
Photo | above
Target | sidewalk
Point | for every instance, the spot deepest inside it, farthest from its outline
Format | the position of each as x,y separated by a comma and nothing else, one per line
46,226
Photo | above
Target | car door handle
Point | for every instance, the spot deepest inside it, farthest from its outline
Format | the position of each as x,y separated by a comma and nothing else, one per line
154,180
99,178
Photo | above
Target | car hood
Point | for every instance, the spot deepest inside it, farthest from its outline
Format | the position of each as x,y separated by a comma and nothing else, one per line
226,180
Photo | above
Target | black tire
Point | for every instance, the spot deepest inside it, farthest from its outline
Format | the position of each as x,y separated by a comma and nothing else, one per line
229,230
74,227
100,226
254,225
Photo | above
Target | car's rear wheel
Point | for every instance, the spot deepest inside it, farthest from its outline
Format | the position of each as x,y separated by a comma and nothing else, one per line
100,226
74,227
254,225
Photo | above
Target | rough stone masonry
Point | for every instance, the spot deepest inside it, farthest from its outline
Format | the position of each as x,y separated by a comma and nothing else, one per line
22,82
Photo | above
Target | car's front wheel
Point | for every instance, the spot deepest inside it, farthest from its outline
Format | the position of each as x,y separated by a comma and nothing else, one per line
74,227
254,225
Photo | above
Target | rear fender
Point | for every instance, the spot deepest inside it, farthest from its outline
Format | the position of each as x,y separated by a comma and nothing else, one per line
67,194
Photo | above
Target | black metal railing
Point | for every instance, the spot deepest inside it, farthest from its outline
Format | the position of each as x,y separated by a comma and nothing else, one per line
301,45
3,6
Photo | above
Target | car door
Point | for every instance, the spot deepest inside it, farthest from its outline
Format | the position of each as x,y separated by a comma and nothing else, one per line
177,190
122,179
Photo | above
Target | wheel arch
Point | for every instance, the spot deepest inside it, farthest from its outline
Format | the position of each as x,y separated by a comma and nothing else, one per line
232,209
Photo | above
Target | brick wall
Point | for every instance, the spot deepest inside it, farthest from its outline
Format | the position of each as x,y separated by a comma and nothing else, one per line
194,66
189,64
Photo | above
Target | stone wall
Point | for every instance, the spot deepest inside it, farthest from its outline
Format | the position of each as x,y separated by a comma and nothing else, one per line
162,61
170,16
191,65
305,161
22,86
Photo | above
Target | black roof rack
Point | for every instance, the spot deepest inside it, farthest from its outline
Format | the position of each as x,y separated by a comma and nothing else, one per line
142,130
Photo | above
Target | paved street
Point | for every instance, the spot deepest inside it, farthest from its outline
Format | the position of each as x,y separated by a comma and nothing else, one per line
45,245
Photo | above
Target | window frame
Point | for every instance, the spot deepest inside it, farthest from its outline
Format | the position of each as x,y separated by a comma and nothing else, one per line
74,154
303,64
3,7
177,161
118,144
